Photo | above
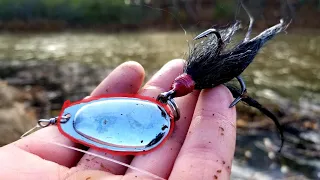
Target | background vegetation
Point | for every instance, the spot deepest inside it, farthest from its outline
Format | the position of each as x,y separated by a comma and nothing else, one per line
114,14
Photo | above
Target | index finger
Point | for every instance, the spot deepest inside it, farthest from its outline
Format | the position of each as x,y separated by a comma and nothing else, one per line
209,147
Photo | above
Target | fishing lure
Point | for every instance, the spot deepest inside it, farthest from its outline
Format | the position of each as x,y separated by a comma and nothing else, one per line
132,124
211,63
118,123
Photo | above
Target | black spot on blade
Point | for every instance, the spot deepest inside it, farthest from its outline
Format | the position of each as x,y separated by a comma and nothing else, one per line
155,140
164,127
163,113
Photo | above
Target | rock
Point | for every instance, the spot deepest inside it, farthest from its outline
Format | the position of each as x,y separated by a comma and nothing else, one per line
60,81
16,117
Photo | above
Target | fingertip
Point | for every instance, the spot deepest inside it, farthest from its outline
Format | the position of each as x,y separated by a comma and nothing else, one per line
220,91
218,100
126,78
177,61
131,68
134,66
162,80
172,67
175,64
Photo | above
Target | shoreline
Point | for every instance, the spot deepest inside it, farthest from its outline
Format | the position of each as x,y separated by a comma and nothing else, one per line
57,26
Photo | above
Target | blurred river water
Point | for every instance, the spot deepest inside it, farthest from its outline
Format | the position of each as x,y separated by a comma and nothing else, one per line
288,66
285,72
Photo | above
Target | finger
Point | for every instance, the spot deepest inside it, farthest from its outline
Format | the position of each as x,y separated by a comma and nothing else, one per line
160,162
208,149
19,164
91,175
127,78
37,143
162,80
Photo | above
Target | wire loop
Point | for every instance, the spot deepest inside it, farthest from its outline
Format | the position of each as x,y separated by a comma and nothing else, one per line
46,122
167,98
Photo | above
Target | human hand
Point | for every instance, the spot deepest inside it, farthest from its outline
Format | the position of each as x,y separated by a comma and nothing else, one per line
201,146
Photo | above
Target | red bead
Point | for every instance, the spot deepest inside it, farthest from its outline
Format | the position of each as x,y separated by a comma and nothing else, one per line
183,85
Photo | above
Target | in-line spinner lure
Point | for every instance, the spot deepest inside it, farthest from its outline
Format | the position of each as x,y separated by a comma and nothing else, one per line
132,124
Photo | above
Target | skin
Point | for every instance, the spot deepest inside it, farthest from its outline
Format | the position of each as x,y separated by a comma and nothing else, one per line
201,147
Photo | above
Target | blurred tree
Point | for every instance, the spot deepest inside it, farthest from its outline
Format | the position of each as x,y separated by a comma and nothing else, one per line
166,13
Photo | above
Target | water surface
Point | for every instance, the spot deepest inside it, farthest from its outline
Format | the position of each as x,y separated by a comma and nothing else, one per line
288,66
